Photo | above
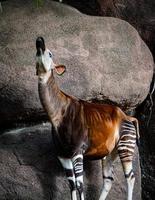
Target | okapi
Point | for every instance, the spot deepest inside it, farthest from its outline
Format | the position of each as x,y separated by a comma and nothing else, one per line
96,131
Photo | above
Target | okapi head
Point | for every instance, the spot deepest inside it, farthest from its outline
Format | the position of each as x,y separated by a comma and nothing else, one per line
44,59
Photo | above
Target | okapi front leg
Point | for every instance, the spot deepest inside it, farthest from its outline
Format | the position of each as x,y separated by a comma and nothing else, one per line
68,167
78,170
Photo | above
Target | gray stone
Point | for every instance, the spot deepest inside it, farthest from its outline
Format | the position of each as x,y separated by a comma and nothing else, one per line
140,15
29,169
105,57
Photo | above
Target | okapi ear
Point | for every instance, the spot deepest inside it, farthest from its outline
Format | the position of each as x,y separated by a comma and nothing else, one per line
60,69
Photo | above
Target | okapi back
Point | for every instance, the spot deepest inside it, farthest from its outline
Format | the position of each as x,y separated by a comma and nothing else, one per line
103,128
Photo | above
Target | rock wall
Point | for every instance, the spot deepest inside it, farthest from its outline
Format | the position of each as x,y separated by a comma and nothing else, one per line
139,13
105,57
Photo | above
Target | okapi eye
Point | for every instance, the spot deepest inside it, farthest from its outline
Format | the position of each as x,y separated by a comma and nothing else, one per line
50,55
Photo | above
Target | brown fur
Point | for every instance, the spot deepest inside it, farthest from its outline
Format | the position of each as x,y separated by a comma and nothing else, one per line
79,125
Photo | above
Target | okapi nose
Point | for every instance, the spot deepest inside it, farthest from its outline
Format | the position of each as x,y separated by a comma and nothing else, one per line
40,45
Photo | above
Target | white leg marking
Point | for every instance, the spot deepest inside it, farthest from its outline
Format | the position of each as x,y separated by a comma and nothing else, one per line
107,186
74,197
78,169
107,175
66,163
127,166
130,184
82,196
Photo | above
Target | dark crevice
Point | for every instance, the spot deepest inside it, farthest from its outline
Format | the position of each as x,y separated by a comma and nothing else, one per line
89,7
18,159
146,116
23,120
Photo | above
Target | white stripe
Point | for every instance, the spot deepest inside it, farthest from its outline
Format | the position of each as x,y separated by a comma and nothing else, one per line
77,156
128,135
71,178
129,130
123,154
80,179
66,163
129,145
74,197
126,141
79,171
78,167
126,148
78,163
128,125
76,170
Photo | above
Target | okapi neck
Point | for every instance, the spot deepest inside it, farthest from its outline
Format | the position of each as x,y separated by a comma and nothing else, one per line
44,77
53,100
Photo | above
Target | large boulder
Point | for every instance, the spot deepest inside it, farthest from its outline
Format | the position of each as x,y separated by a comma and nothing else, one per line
29,169
139,13
105,57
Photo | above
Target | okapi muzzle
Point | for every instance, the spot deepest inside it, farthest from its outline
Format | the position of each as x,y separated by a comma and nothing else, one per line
40,46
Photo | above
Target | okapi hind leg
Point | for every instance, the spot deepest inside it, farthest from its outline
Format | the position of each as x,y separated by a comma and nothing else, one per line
128,172
68,167
129,175
107,168
78,170
125,147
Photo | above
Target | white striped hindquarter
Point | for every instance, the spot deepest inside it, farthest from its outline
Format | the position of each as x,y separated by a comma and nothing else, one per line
125,148
78,168
127,141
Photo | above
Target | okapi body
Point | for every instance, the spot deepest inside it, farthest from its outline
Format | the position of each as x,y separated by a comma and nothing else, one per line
96,131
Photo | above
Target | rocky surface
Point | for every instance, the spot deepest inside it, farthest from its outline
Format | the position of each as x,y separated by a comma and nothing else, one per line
139,13
29,169
105,57
146,116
